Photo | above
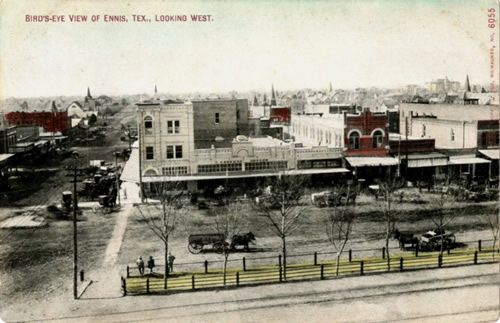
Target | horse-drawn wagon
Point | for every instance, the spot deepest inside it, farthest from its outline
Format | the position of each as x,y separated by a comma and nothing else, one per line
197,242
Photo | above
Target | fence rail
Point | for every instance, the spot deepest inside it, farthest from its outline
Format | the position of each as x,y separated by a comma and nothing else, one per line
315,269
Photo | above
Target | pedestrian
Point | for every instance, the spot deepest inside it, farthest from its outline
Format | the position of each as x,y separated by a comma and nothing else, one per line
140,265
151,264
171,259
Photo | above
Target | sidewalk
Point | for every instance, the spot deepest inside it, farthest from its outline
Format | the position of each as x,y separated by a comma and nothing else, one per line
105,280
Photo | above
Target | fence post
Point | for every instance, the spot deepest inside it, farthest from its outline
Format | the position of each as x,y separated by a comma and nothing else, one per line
475,258
416,250
315,258
383,252
238,278
124,286
322,271
361,267
81,276
147,286
479,245
244,264
206,266
128,271
165,283
401,264
350,255
440,261
192,282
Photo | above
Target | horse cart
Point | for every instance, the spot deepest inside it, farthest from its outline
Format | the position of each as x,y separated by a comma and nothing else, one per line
196,242
431,240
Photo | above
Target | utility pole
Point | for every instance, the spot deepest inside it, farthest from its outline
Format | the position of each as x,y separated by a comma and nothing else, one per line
117,180
75,231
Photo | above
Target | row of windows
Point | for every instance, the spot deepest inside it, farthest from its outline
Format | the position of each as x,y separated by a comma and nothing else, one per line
181,170
173,152
325,163
218,168
264,164
318,134
173,126
354,143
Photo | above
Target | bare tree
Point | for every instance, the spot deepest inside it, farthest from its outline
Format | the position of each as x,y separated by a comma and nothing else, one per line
228,224
162,215
391,217
494,223
280,205
442,213
339,223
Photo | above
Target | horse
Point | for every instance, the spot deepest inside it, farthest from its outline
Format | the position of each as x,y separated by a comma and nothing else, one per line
242,240
405,238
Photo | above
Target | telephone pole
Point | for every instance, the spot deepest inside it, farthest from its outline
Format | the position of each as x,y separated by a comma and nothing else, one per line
76,172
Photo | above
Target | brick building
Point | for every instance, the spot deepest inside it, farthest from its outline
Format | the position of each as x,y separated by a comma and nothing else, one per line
50,121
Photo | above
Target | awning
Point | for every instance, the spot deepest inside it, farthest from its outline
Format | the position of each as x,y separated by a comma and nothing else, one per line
197,177
468,161
491,153
4,158
427,160
371,161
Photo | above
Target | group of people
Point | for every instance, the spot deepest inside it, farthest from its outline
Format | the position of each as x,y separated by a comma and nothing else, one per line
151,263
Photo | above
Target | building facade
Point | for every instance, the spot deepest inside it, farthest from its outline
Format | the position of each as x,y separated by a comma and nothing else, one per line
169,150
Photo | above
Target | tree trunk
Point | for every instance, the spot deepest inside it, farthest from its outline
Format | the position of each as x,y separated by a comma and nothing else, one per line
337,264
284,258
387,252
226,255
166,266
494,247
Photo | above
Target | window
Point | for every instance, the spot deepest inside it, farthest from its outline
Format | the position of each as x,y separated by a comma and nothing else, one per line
452,135
217,117
264,164
178,152
174,152
378,137
148,125
181,170
150,153
354,140
173,126
227,166
423,130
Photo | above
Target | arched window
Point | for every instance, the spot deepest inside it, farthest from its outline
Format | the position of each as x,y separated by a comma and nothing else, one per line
148,125
354,140
378,137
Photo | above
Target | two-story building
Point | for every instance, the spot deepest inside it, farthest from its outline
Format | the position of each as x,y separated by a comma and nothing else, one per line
204,144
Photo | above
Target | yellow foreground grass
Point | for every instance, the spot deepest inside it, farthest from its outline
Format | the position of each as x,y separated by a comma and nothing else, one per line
236,276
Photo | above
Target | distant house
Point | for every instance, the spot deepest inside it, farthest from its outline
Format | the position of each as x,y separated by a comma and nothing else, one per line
75,110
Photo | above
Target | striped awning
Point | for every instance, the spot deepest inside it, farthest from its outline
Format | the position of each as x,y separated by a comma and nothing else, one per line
371,161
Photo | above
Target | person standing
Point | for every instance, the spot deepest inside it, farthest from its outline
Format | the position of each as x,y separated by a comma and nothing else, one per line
171,259
151,264
140,265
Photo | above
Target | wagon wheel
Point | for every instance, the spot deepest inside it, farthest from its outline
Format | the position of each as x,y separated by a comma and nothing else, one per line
219,247
194,247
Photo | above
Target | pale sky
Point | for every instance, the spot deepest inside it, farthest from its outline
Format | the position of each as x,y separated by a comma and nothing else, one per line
249,45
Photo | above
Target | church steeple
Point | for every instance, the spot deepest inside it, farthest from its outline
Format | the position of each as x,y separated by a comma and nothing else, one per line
273,96
156,93
467,84
88,93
